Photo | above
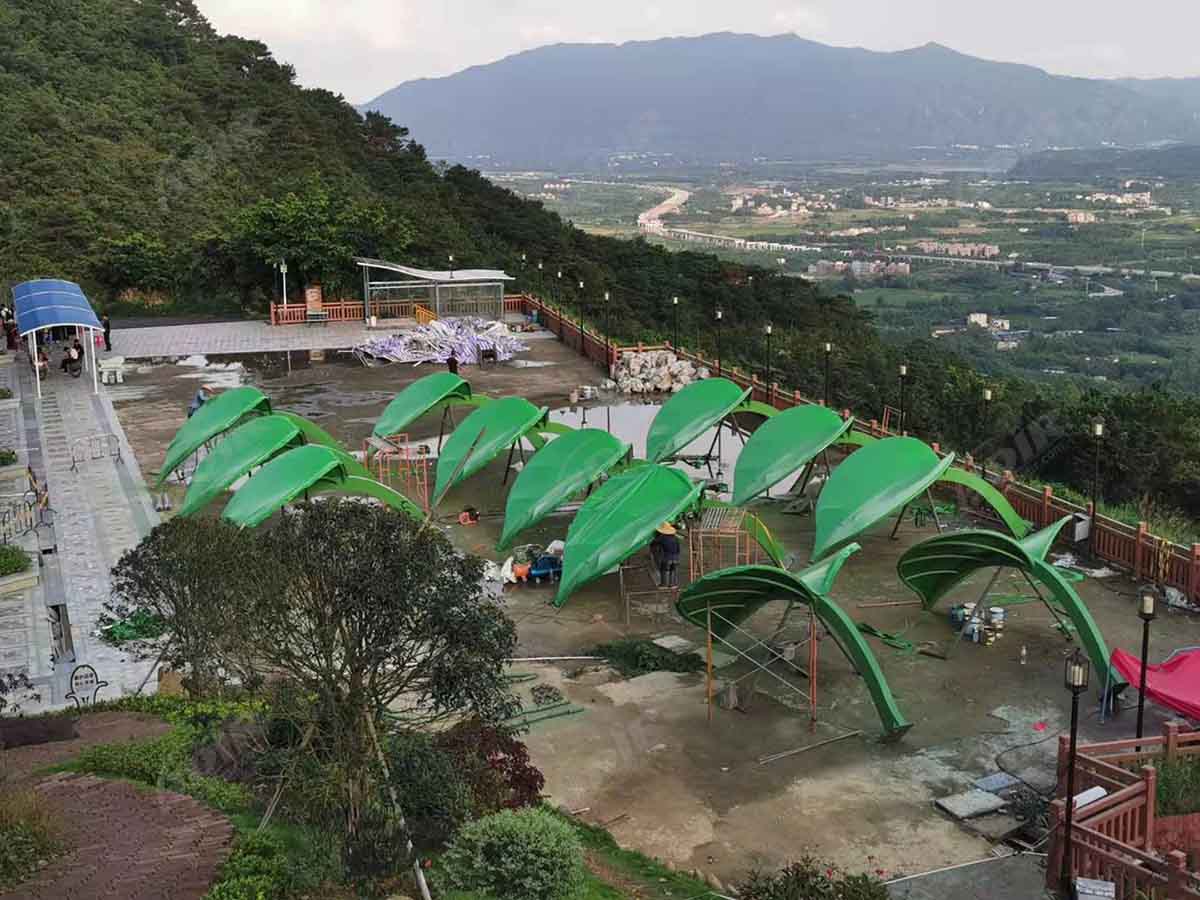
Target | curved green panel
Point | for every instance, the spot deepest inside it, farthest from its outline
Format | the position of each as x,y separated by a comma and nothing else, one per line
489,429
566,466
736,594
219,414
282,480
359,486
781,446
766,410
419,398
994,498
619,519
313,433
250,444
690,413
933,567
872,482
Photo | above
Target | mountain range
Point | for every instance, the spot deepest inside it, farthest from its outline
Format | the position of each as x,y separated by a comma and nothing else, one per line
727,96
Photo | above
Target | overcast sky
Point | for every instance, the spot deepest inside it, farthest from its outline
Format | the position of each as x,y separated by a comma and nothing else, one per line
361,48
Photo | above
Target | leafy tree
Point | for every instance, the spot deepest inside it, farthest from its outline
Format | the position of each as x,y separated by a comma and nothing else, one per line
362,611
187,575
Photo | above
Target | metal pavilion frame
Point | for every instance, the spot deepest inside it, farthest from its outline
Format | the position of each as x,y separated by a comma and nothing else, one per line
52,304
439,287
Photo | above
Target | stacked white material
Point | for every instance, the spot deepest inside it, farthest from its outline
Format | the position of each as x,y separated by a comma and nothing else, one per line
464,337
655,371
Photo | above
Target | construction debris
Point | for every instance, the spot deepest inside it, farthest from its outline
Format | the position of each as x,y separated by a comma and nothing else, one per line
653,371
466,338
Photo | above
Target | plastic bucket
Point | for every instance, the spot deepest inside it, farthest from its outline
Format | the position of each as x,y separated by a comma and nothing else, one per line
998,615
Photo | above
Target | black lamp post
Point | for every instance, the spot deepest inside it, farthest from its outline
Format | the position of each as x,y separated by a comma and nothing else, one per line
541,283
1076,679
903,382
1098,437
718,343
607,339
581,314
1146,614
558,303
828,354
522,267
451,258
768,378
983,422
675,323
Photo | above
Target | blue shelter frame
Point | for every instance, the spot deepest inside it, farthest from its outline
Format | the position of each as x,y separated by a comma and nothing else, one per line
54,303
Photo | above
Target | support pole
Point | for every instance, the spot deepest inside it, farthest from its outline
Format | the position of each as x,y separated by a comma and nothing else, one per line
937,523
92,346
708,682
442,428
37,372
899,519
508,465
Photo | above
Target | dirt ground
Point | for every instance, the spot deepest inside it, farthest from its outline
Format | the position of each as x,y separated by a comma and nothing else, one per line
644,757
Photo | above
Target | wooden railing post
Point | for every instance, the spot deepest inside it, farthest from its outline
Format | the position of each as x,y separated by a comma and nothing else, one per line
1058,812
1150,779
1194,573
1047,505
1177,874
1139,551
1171,738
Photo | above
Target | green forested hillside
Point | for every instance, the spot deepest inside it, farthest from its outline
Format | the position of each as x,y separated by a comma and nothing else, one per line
144,155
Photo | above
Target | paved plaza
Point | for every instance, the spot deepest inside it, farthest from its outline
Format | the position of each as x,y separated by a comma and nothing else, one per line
239,337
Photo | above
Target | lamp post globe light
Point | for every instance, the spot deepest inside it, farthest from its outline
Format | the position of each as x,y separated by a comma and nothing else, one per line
1075,677
828,354
1097,431
1147,613
767,381
719,316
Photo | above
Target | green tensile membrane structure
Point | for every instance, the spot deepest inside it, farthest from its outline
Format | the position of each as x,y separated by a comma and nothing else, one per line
216,416
423,396
620,518
481,436
249,445
301,472
736,594
566,466
875,480
936,566
781,446
690,413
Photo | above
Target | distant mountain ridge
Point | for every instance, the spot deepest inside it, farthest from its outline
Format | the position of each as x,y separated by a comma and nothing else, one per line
736,96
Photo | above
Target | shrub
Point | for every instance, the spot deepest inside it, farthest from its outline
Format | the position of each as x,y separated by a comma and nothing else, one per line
524,854
280,862
377,847
494,765
638,656
809,879
1178,788
27,835
201,715
147,761
433,793
8,456
13,560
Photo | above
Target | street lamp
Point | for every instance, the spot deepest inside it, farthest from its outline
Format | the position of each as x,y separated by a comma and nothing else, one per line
828,354
1076,680
1098,437
983,423
283,273
580,315
903,381
541,282
451,265
607,339
718,343
1146,614
768,380
675,323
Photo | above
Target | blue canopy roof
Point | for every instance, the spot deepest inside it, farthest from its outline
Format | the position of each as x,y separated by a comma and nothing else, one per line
47,302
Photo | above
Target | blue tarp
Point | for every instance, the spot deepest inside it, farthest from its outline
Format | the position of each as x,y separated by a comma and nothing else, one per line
49,302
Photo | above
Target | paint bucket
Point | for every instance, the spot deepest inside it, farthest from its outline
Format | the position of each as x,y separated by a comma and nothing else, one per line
998,614
587,392
956,617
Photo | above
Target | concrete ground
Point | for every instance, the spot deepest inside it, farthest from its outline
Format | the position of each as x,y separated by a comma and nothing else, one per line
1020,877
643,757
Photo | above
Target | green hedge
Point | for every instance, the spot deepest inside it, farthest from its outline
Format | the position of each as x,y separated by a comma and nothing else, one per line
13,560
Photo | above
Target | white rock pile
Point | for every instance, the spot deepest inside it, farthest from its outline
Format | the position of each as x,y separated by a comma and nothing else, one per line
655,371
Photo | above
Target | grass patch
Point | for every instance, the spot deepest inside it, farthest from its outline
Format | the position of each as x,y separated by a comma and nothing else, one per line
28,836
639,656
1178,791
13,560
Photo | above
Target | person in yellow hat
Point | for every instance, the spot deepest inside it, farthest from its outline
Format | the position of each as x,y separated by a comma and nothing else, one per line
665,550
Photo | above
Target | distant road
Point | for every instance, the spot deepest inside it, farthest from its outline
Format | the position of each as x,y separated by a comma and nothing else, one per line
672,204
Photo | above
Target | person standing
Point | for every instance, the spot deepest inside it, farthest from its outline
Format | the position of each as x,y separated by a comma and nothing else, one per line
104,320
665,548
452,364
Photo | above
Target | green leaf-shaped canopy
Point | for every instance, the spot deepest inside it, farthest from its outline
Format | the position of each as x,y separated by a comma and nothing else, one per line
734,595
303,470
489,429
419,398
219,414
872,482
566,466
250,444
781,446
690,413
619,519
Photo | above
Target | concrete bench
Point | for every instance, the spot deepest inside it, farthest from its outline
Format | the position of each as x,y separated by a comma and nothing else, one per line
112,370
